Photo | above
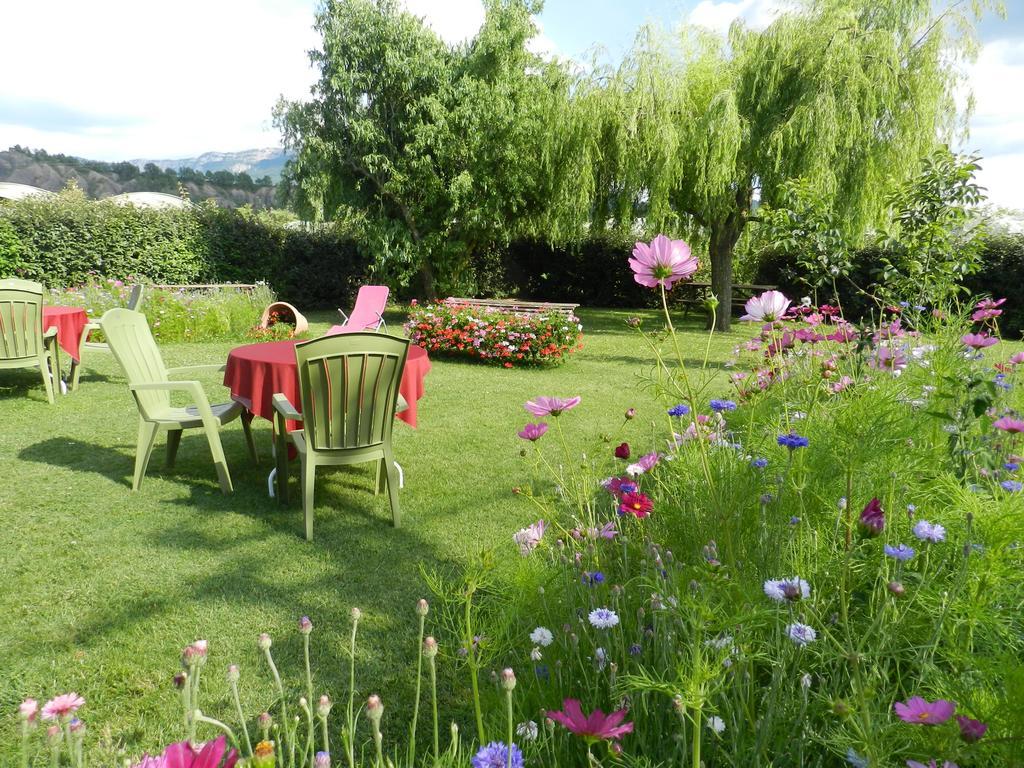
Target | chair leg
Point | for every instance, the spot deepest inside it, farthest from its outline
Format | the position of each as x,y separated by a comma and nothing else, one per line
308,482
173,441
221,463
281,457
144,449
47,378
392,470
382,478
246,420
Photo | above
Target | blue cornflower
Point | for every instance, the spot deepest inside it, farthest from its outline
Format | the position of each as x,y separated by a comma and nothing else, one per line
759,462
793,441
496,755
1011,485
679,410
904,304
542,672
635,649
900,552
722,405
1011,466
794,520
592,577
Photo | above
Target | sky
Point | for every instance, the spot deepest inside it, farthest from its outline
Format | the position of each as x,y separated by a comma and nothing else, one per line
123,79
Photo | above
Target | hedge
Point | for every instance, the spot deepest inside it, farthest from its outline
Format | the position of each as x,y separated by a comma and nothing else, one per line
68,240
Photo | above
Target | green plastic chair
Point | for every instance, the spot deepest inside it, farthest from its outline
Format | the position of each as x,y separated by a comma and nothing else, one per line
348,386
134,302
23,343
149,381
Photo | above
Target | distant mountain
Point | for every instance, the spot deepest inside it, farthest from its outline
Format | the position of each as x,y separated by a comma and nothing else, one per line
256,162
100,179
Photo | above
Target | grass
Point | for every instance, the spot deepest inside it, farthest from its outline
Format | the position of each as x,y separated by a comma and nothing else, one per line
104,587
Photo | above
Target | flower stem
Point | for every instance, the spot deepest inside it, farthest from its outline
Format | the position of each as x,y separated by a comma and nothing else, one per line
241,715
277,684
351,738
508,698
433,700
419,681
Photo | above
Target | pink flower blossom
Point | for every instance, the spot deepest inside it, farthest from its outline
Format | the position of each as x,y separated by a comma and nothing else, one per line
1008,424
533,432
551,406
844,383
922,712
644,464
662,262
529,538
978,340
213,754
887,359
28,709
597,726
1017,358
61,706
768,307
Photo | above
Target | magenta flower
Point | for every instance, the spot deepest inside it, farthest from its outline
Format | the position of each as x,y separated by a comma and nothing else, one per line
551,406
921,712
970,730
620,486
662,262
887,359
62,706
931,764
872,518
644,464
529,538
636,504
1008,424
597,726
214,754
768,307
533,432
978,340
622,451
1017,358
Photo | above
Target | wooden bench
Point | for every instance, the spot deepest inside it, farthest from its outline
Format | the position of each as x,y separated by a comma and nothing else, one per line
515,306
207,287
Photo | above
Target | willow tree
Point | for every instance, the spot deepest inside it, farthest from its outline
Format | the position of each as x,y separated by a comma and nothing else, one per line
690,132
430,146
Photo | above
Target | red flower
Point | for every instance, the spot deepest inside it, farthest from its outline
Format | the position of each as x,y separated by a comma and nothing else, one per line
636,504
622,451
597,726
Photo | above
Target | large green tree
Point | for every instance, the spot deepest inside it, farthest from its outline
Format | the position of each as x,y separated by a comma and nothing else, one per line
692,130
433,147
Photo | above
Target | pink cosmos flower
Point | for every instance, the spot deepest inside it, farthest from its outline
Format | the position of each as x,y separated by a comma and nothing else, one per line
768,307
214,754
841,385
1017,358
597,726
636,504
1008,424
551,406
985,314
662,262
843,334
872,518
931,764
887,359
644,464
533,432
921,712
529,538
978,340
61,706
989,303
970,730
28,709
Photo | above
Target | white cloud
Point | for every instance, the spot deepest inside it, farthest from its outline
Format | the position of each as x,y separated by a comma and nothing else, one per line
115,79
718,16
455,21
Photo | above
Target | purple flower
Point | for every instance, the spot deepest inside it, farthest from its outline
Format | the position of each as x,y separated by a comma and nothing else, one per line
620,486
931,764
529,538
679,410
644,464
1011,485
722,405
900,552
496,755
1009,424
921,712
926,531
970,730
801,634
872,518
792,441
978,340
783,590
891,360
551,406
533,432
759,463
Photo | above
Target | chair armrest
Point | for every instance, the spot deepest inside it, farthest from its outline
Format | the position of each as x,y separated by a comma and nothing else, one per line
344,317
50,333
192,368
194,388
284,407
401,404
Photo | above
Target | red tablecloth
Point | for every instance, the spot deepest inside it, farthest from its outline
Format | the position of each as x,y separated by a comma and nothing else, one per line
69,322
256,372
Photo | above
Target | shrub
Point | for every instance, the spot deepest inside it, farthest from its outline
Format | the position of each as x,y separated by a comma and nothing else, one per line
503,338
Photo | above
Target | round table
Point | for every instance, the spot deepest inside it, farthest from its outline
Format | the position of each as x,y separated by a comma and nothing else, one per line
256,372
69,322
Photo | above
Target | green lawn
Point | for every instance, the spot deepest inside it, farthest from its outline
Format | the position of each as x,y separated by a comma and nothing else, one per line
103,587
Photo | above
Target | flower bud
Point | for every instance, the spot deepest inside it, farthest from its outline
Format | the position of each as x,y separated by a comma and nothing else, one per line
374,708
323,708
305,625
54,734
430,647
322,760
265,721
233,673
263,642
356,615
28,709
630,414
180,679
508,679
76,726
896,588
840,707
422,607
263,755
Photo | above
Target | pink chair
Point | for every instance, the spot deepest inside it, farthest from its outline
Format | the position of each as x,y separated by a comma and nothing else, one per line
367,314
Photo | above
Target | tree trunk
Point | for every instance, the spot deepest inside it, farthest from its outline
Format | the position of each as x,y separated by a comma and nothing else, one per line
724,236
427,281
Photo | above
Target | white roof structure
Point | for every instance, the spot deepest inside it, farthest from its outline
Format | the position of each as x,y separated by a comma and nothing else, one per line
150,200
11,191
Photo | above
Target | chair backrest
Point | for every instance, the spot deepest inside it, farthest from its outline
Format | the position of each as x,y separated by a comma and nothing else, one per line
371,301
349,388
136,296
136,351
21,320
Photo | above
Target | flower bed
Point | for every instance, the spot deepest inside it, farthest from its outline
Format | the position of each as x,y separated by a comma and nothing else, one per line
491,336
